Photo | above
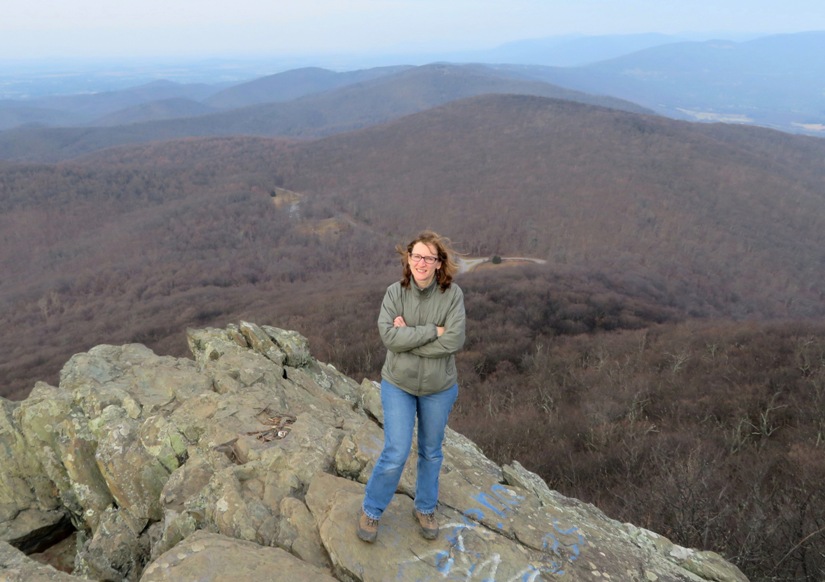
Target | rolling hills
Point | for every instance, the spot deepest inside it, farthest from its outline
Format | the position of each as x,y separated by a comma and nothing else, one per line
666,356
701,220
722,208
355,105
772,81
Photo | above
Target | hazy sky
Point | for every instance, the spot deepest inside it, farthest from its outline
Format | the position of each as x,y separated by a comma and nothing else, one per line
114,28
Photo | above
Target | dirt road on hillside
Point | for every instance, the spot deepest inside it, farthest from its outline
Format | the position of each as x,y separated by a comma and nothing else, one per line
467,264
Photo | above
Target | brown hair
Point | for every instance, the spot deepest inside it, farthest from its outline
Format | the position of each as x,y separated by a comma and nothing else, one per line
449,266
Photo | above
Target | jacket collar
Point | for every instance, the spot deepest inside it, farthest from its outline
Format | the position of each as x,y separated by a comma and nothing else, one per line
426,291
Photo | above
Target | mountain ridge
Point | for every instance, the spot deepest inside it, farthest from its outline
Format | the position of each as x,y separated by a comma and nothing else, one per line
293,84
769,81
343,109
554,182
772,81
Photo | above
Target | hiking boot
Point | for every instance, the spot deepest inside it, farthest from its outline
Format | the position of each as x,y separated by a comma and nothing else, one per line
367,527
427,523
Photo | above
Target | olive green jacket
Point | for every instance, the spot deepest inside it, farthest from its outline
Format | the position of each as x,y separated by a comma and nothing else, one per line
418,360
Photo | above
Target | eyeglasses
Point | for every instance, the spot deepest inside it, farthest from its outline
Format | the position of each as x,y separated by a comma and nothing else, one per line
418,258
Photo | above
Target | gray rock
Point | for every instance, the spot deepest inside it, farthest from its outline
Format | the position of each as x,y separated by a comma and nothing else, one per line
250,462
15,566
116,552
262,343
294,346
30,510
370,399
216,558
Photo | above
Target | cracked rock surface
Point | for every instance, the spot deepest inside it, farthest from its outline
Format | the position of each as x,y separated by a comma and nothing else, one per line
249,462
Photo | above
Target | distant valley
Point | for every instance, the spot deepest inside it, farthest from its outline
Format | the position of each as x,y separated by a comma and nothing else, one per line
774,81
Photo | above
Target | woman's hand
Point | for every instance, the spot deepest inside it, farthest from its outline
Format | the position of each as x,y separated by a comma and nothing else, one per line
399,322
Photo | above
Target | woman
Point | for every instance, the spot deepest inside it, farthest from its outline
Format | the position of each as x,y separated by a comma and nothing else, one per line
422,325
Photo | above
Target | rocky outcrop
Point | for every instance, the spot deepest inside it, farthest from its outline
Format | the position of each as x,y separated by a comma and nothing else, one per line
249,462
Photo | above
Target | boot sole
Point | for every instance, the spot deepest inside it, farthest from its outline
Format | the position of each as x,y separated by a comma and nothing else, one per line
364,535
367,536
427,534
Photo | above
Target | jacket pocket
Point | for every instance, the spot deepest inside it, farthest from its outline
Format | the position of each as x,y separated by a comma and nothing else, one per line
404,369
436,374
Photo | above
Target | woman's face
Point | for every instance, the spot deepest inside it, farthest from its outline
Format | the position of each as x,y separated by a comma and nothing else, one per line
422,271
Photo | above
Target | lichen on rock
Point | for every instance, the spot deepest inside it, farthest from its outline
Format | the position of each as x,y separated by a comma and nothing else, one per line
251,459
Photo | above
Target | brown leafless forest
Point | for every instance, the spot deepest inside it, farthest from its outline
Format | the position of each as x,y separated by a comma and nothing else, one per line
666,363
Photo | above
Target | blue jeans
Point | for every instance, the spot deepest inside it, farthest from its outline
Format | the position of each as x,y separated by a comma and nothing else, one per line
400,411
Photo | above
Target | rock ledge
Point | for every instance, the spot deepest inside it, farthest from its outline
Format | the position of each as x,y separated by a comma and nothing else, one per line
249,462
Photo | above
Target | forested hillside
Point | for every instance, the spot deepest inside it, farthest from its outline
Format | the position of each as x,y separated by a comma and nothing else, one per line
721,219
669,356
704,220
